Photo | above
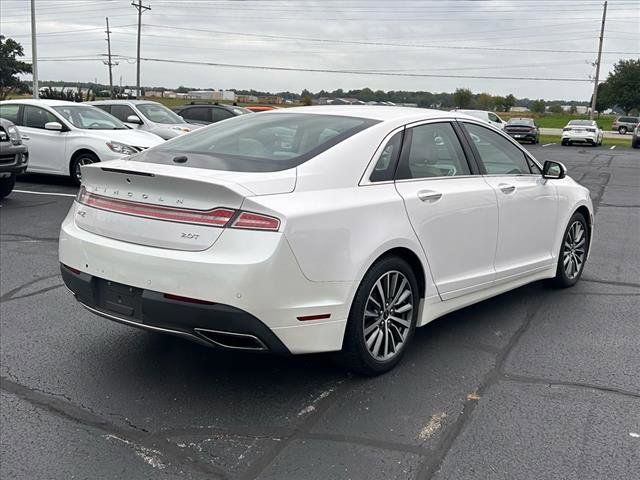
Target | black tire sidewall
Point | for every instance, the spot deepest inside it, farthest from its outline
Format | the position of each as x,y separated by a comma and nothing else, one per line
354,345
561,278
74,165
6,185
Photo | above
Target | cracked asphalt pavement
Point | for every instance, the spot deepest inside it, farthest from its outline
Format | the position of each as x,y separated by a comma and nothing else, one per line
536,383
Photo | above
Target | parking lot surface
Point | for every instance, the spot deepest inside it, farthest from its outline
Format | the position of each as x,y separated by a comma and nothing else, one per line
536,383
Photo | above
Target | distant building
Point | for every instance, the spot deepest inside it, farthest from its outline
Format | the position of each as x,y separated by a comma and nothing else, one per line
519,109
246,99
272,99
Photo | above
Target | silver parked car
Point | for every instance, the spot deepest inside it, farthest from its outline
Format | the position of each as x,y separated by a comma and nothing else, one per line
146,115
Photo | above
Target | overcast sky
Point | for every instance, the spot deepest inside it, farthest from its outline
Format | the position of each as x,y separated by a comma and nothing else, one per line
419,37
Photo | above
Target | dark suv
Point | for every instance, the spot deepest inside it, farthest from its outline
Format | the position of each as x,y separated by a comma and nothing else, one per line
625,124
205,113
13,156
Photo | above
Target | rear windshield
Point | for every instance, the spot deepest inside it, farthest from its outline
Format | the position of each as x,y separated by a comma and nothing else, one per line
583,123
520,121
258,143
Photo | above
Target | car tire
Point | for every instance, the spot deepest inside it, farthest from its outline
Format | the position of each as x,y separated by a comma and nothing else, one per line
376,327
6,185
573,252
84,158
564,143
622,130
635,145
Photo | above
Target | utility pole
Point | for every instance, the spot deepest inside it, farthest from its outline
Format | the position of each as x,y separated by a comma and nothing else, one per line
141,8
109,62
34,52
594,97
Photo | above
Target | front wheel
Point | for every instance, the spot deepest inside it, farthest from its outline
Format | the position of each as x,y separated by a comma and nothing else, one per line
7,184
75,167
382,318
622,130
573,252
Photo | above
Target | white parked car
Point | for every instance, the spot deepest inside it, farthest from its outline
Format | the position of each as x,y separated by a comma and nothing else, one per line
582,131
490,117
63,136
148,116
320,229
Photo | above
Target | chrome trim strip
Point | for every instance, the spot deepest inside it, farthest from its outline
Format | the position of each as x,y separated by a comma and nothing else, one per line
233,334
151,328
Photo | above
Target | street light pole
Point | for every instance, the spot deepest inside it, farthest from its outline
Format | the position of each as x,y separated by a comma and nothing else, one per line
594,97
34,52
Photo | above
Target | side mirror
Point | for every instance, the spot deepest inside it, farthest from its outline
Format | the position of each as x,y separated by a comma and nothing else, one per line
56,126
134,119
553,170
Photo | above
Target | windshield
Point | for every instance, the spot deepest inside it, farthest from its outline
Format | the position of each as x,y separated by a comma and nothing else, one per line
159,113
259,143
584,123
89,118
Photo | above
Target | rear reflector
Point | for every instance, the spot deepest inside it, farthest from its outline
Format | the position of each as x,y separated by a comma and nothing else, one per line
71,269
217,217
314,317
178,298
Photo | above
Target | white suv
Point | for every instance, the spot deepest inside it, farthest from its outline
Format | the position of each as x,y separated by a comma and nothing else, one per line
490,117
63,136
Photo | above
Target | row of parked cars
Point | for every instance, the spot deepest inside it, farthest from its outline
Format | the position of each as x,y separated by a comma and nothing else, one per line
58,137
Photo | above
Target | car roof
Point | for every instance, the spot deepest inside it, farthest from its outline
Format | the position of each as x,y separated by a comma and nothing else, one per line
373,112
121,101
40,102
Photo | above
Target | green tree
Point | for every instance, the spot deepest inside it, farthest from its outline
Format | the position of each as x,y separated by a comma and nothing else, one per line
499,103
509,101
556,108
539,106
623,85
462,98
11,67
484,101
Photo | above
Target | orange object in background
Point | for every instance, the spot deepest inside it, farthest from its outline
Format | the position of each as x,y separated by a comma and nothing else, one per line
259,108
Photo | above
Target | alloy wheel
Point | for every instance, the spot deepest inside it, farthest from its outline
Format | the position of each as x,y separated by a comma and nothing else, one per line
78,164
387,315
574,250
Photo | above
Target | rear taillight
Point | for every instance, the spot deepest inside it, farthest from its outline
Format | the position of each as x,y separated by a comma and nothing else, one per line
566,129
217,217
256,221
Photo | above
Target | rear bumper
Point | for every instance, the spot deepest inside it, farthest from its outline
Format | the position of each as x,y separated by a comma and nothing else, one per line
523,136
580,137
252,278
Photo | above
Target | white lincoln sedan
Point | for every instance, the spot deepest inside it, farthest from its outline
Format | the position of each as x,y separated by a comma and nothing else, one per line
320,229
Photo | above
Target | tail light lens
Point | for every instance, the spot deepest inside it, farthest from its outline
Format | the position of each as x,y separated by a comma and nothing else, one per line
218,217
566,129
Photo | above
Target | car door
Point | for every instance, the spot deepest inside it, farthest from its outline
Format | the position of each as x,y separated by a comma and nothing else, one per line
527,203
47,148
452,209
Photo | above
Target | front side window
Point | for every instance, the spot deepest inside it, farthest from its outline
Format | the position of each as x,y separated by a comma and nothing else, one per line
499,155
158,113
386,164
433,150
122,112
36,117
89,118
10,112
221,114
259,143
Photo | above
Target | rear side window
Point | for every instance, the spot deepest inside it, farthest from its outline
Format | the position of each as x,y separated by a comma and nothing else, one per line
221,114
386,164
10,112
499,155
259,143
202,114
432,150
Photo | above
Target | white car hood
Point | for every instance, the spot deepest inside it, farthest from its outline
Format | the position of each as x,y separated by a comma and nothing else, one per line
135,138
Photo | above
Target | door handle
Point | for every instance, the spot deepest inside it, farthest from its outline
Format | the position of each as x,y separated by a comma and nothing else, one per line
507,188
429,196
24,137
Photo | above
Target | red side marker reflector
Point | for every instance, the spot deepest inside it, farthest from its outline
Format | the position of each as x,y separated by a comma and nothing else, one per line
73,270
178,298
314,317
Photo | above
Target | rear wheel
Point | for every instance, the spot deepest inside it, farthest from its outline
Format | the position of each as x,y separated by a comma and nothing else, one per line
6,185
573,252
77,162
622,130
382,318
564,143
